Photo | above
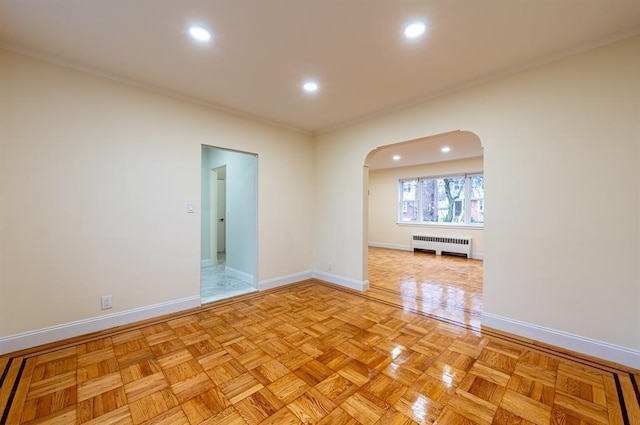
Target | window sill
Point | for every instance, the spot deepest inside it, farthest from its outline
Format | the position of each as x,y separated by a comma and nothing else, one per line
443,225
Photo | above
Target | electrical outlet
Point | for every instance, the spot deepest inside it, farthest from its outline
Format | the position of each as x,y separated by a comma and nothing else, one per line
106,302
330,266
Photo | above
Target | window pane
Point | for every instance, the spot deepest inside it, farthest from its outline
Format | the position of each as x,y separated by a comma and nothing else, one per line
409,190
429,200
477,199
409,211
408,200
450,199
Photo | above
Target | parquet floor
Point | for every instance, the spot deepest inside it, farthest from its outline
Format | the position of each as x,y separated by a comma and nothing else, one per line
311,353
446,287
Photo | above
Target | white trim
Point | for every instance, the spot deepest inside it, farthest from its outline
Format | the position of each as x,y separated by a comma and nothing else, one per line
440,225
600,349
29,339
475,256
237,274
227,295
358,285
390,246
205,263
284,280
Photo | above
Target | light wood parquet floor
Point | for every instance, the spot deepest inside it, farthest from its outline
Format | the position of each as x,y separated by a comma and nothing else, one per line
446,287
314,353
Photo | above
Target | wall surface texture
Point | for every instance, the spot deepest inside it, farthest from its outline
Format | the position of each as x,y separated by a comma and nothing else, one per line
383,228
561,164
95,180
95,176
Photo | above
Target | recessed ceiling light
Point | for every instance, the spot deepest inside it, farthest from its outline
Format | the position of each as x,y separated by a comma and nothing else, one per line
445,149
310,86
396,157
199,33
415,29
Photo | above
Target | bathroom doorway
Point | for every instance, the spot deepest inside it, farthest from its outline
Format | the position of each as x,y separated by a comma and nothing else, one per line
229,224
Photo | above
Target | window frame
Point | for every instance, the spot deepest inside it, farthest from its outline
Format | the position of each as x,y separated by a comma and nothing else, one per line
466,200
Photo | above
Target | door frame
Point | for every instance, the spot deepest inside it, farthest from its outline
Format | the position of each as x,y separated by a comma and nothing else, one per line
213,217
221,219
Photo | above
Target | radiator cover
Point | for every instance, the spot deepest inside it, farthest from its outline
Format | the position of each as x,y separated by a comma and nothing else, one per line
440,244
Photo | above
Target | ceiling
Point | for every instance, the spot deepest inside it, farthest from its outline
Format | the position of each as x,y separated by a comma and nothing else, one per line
426,150
262,50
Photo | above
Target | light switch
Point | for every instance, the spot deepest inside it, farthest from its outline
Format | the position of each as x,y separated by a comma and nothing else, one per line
190,209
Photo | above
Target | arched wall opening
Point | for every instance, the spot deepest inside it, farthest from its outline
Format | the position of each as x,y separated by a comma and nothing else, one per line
455,153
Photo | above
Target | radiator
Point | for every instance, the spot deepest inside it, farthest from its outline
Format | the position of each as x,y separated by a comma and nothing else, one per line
440,244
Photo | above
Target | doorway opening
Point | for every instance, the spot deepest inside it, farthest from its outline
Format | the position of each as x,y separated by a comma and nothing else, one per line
229,241
413,194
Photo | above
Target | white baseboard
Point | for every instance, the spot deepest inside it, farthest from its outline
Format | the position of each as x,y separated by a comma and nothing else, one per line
237,274
29,339
475,255
358,285
603,350
390,246
42,336
284,280
314,274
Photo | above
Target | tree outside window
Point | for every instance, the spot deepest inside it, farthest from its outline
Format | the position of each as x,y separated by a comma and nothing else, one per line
452,199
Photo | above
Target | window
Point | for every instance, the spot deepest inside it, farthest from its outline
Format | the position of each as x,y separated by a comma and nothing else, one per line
452,199
409,203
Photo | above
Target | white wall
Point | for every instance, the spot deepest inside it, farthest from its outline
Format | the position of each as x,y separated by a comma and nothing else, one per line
95,176
384,230
95,180
561,160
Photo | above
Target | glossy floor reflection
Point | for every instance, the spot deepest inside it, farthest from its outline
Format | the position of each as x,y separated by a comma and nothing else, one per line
309,353
216,284
446,287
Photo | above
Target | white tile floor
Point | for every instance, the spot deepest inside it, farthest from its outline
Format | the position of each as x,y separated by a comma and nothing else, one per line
215,285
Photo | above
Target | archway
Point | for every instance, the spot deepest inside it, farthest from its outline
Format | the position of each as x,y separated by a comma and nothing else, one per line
395,211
